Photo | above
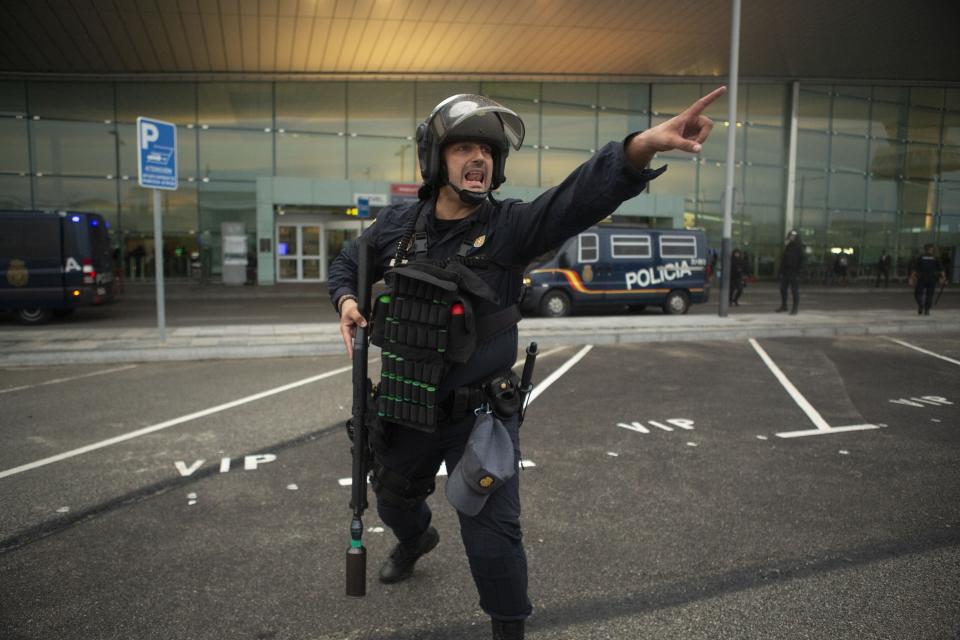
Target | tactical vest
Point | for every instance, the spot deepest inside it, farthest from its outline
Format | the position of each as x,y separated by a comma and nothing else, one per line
426,322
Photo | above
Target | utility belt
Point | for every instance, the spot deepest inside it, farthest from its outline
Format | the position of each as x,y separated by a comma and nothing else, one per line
424,324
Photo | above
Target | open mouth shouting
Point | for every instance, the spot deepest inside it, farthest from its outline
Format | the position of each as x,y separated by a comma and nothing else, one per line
473,179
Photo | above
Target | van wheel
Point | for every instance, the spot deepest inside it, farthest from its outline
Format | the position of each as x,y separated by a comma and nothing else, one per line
677,303
36,315
556,304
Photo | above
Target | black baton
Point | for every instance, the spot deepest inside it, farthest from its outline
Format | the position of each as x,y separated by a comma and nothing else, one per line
526,379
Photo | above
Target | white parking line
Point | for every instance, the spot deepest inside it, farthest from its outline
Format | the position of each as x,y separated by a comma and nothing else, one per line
59,380
822,426
170,423
916,348
553,377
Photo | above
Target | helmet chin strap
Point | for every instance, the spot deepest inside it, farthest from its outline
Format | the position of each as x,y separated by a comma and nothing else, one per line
471,198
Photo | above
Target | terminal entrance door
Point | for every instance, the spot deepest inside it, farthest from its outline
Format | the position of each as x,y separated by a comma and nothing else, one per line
298,253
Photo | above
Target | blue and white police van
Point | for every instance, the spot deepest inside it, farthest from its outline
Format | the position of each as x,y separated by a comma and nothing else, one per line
53,262
620,266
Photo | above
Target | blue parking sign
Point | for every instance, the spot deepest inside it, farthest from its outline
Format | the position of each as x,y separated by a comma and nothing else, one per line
157,153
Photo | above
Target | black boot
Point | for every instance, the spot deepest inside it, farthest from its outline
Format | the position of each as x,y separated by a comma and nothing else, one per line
793,311
399,566
783,307
512,630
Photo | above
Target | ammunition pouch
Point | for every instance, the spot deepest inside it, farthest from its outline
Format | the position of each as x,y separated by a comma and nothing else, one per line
423,324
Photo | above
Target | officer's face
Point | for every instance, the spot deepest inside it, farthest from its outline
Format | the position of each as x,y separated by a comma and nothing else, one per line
469,165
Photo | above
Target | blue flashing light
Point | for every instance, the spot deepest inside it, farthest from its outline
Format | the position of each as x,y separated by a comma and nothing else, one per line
75,219
282,248
94,222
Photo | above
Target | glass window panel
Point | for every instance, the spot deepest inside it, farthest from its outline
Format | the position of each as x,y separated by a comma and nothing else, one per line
814,111
848,153
680,179
14,192
888,120
812,149
811,189
186,151
671,99
922,161
847,191
179,209
715,148
853,92
582,93
949,197
713,176
923,125
879,227
13,100
883,194
174,102
555,165
764,185
380,108
570,127
312,106
227,202
79,194
765,223
236,104
13,141
919,196
927,97
765,145
313,156
523,168
766,104
886,158
626,97
846,230
614,125
521,90
430,94
74,148
891,94
235,155
951,127
379,158
851,116
91,101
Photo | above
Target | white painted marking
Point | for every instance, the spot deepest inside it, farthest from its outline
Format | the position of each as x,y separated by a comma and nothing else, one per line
921,350
292,487
660,425
937,399
374,529
761,437
170,423
934,419
250,463
522,360
906,402
613,454
524,464
553,377
634,426
812,413
63,510
224,465
185,470
59,380
191,496
691,444
683,423
190,503
345,482
820,432
844,452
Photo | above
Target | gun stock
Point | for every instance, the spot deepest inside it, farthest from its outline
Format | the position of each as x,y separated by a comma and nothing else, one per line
357,554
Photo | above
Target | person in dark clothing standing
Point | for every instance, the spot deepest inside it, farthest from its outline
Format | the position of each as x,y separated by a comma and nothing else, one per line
883,269
739,271
925,274
790,264
458,225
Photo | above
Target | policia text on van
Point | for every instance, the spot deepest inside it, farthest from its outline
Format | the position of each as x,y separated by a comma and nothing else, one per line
616,266
52,263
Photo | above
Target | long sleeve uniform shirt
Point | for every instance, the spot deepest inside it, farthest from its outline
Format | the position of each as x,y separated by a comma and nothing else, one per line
515,233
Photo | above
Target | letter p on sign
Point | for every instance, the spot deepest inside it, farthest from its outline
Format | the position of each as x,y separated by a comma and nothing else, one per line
149,133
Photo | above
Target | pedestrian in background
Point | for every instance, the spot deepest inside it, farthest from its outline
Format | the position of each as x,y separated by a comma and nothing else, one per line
791,261
883,269
926,273
739,271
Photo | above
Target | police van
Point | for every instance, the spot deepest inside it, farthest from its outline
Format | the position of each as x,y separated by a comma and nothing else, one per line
53,262
620,266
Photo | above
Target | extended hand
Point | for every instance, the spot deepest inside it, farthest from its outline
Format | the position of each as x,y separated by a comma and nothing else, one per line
686,131
350,319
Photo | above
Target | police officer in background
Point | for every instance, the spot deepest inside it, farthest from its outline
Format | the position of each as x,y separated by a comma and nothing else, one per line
925,274
790,264
462,148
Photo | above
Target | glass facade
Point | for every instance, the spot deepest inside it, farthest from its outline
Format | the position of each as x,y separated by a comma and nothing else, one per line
878,168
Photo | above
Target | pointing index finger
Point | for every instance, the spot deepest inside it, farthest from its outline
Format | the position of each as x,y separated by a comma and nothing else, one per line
700,105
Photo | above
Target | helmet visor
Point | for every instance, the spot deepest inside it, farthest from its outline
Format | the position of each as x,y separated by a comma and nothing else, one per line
479,117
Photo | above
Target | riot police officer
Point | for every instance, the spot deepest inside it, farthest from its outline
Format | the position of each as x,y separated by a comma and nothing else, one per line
791,261
458,225
925,274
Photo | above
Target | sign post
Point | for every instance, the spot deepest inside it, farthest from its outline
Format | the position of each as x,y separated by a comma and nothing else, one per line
157,164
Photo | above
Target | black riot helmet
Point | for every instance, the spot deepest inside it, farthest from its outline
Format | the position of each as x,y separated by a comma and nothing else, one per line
466,117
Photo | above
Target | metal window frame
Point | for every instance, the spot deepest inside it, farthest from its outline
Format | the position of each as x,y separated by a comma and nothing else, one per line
580,238
631,240
684,240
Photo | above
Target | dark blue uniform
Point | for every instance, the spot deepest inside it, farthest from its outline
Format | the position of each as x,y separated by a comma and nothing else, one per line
515,233
927,270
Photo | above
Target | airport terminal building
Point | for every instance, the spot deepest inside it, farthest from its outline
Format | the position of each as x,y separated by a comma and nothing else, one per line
288,113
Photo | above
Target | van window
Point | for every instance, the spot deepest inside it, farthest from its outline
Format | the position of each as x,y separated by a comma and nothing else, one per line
678,246
589,250
630,247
